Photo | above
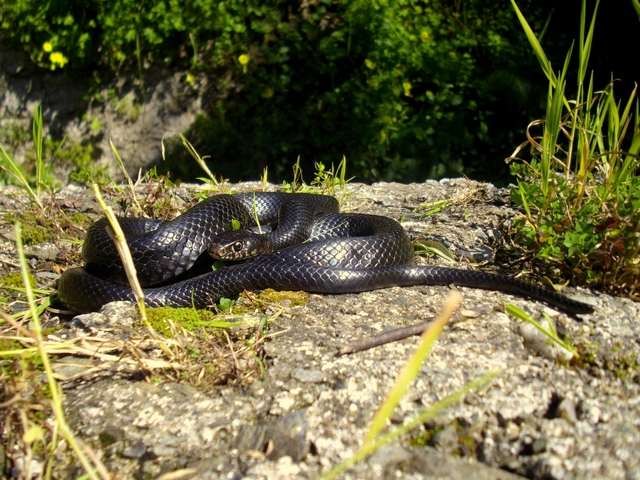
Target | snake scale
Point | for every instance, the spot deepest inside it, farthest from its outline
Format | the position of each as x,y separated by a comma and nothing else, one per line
313,248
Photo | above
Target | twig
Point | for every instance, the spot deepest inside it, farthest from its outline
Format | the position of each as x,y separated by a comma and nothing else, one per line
362,344
233,353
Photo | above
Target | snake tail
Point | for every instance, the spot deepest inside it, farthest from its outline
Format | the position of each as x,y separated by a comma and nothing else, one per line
205,291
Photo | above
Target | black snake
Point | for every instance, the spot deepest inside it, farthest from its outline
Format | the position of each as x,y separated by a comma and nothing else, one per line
339,253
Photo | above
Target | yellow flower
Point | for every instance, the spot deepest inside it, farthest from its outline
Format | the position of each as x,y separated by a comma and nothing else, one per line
47,47
57,60
190,79
243,59
407,88
369,63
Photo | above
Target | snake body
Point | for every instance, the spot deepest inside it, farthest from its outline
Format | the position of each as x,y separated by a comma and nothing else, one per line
340,253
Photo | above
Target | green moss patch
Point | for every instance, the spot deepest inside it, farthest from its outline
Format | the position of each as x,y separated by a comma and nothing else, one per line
15,280
291,299
188,318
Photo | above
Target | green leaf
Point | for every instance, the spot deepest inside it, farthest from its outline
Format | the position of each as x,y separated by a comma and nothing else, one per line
585,44
226,303
436,248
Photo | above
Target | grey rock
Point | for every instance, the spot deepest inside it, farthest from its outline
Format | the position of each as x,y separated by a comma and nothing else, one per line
446,440
113,320
434,464
389,458
308,376
567,410
70,365
42,251
136,450
285,437
540,343
539,418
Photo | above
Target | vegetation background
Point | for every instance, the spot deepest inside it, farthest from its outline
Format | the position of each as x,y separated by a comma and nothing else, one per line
405,89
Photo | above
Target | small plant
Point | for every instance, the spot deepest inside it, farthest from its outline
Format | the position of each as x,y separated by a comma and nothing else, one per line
549,332
211,180
580,191
17,171
325,181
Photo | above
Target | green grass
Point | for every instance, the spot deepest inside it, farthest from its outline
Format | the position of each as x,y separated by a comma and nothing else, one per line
33,433
332,181
579,189
17,172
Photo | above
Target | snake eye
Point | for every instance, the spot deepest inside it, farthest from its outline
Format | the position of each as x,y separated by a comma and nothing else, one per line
237,247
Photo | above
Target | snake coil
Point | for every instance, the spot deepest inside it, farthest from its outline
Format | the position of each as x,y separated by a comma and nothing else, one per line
340,253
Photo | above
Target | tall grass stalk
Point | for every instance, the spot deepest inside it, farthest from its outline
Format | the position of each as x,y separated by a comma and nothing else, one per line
537,48
125,173
14,169
124,252
552,125
140,70
38,145
122,247
192,151
556,96
420,419
412,367
636,6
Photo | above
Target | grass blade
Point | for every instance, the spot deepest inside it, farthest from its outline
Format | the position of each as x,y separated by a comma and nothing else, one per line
38,147
535,44
412,367
425,415
16,171
551,333
124,252
585,44
636,7
125,173
192,151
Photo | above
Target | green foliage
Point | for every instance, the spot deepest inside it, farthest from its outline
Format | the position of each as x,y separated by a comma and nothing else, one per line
580,190
404,89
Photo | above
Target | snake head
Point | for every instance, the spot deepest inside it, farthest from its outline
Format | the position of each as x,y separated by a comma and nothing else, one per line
238,245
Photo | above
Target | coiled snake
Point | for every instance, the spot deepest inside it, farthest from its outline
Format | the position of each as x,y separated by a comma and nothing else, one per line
340,253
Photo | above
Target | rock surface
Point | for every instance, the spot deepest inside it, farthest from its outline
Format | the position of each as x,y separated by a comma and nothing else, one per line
94,111
540,418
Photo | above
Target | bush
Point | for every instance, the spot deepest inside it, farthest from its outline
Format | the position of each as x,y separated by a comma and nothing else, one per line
405,89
